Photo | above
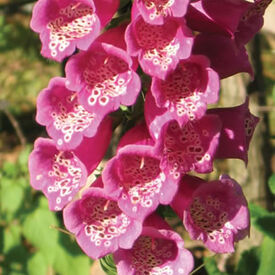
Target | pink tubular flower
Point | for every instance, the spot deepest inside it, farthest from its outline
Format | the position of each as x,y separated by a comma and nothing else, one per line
155,252
216,16
157,11
65,119
218,215
189,148
158,47
238,126
59,174
99,224
103,78
139,134
134,179
188,89
226,56
252,21
66,24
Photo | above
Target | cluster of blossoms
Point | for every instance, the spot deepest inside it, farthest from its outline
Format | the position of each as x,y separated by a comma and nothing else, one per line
186,47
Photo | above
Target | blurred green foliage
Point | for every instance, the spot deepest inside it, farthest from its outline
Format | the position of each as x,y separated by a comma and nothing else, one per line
29,240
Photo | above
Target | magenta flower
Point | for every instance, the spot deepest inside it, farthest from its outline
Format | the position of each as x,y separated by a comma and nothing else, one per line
99,224
189,148
155,252
218,214
216,16
238,126
188,89
59,174
103,78
158,47
139,134
134,179
252,21
226,56
64,25
157,11
65,119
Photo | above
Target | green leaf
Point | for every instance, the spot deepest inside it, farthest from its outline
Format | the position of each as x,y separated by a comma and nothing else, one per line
267,263
71,260
273,93
211,266
11,197
263,220
11,237
271,184
249,262
37,230
108,265
37,265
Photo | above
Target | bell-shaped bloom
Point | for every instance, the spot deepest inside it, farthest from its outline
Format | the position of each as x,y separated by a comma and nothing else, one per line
216,16
157,11
158,47
155,252
99,225
64,25
103,78
139,134
226,56
59,174
217,214
66,121
133,177
238,126
188,89
189,148
252,21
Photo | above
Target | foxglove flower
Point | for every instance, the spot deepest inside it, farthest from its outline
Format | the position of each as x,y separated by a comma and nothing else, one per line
189,148
157,11
65,119
134,179
188,89
103,78
139,134
252,21
217,214
226,56
99,224
238,126
158,47
59,174
64,25
155,252
216,16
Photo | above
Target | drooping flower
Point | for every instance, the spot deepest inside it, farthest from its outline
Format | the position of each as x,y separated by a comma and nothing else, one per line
65,119
216,16
188,89
99,224
139,134
238,126
158,47
251,22
157,11
226,56
156,251
133,177
64,25
189,148
103,78
59,174
217,214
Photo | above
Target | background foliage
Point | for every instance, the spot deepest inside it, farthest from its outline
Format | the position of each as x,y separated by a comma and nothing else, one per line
32,240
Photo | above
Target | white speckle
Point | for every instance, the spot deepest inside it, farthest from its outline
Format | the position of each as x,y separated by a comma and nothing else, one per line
39,177
60,142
